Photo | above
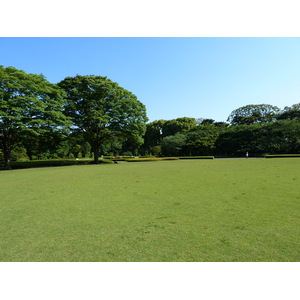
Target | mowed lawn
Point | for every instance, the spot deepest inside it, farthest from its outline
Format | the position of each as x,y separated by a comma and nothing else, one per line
187,210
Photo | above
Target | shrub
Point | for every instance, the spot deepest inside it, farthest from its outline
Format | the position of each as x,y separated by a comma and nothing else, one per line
196,157
156,150
52,163
23,159
151,159
19,152
54,156
282,155
127,153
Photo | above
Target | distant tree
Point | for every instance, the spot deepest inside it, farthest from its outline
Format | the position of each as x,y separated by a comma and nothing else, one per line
173,144
290,113
103,110
206,121
221,124
179,125
29,104
237,140
159,129
282,136
153,135
201,141
253,114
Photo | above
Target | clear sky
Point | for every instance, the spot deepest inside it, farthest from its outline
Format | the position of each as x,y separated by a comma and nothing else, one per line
198,77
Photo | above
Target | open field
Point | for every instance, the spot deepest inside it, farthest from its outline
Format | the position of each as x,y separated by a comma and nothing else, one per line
190,210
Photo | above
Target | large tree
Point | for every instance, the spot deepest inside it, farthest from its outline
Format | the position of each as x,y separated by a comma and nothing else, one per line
103,110
29,104
253,114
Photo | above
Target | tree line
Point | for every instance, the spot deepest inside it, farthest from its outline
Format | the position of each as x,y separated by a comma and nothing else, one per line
258,129
89,116
81,114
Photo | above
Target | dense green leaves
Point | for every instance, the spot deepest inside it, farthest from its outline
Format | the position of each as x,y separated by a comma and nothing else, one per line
290,113
28,103
252,114
103,110
257,129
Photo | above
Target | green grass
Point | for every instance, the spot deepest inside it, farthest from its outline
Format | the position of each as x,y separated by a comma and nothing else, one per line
189,210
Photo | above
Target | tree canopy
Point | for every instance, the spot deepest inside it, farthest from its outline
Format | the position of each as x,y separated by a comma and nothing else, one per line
28,103
290,113
103,110
252,114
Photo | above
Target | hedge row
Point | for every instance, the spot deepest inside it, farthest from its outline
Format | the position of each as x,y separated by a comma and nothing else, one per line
51,163
196,157
151,159
119,158
282,155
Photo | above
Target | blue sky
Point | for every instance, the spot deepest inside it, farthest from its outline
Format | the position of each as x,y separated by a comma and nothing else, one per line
198,77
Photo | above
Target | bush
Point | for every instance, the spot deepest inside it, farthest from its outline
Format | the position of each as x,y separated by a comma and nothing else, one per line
53,163
196,157
23,159
19,152
282,155
54,156
156,150
151,159
127,153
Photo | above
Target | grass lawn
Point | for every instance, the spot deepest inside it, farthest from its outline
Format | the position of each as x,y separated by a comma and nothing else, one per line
189,210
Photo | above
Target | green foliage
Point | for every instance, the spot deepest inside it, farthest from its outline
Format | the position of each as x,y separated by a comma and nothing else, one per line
103,110
27,164
157,130
237,140
127,154
252,114
179,125
28,104
205,121
71,156
156,150
282,155
290,113
19,153
281,137
202,140
173,145
151,159
153,135
196,157
86,149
